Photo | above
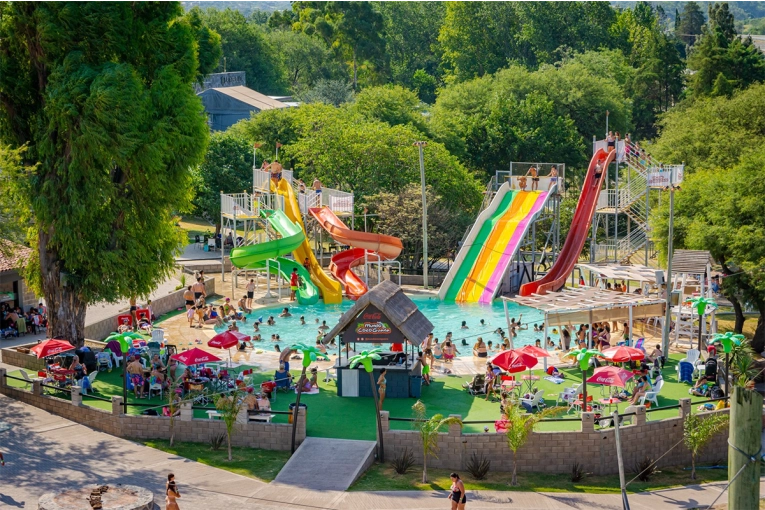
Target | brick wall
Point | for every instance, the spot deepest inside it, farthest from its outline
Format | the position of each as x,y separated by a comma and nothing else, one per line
269,436
555,452
101,329
10,356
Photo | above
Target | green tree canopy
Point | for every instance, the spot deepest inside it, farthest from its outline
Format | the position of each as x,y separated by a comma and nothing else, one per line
227,168
392,104
689,23
101,94
305,59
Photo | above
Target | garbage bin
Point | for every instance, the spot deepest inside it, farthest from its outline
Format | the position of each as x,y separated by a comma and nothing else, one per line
415,386
303,410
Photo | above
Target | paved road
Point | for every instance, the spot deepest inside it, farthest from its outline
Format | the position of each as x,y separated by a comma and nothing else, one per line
44,452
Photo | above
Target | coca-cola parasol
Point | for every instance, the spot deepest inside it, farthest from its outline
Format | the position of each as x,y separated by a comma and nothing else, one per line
533,350
195,356
610,376
622,354
226,340
51,348
513,361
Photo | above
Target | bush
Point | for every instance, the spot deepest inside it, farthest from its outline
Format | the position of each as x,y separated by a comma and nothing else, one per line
645,468
217,442
577,472
403,461
478,467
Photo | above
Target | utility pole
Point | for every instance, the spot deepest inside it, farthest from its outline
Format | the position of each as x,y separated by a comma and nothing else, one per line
668,282
420,146
744,448
620,461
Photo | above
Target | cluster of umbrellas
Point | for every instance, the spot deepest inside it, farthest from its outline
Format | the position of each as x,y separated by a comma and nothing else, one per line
197,356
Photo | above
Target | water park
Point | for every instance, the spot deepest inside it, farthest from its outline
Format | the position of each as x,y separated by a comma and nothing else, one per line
323,339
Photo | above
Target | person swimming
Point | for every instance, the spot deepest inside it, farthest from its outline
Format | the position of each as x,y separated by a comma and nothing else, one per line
302,320
464,325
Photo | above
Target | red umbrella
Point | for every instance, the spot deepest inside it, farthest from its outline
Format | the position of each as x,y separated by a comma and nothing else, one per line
51,348
513,361
195,356
225,340
610,376
533,350
623,354
241,336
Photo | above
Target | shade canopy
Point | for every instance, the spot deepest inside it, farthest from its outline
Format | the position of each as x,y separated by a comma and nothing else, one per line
533,350
610,376
51,348
622,354
195,356
225,340
514,361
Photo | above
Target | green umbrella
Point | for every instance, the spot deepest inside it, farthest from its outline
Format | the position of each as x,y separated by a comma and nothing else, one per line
310,354
700,304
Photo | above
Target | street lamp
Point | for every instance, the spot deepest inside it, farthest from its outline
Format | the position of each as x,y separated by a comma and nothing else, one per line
366,210
420,146
255,147
668,283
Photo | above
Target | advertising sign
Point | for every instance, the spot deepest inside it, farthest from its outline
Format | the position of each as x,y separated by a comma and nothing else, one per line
372,326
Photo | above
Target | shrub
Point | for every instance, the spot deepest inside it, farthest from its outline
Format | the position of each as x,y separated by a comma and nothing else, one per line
478,467
403,461
645,468
577,472
217,442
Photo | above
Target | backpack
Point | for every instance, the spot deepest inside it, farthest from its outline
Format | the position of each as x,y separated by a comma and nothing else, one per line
710,369
716,393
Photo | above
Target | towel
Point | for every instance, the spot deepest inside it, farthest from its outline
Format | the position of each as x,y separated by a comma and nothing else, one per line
314,391
556,380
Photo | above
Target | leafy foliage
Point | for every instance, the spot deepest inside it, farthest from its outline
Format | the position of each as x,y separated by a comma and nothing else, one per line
392,104
227,168
699,430
577,472
331,92
217,442
519,425
429,428
478,467
645,469
14,205
110,116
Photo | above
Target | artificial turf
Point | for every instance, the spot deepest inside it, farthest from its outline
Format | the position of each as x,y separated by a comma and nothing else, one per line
353,418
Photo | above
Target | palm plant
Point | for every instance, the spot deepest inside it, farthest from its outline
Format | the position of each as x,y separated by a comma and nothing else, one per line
729,342
228,406
698,431
700,304
429,428
520,425
365,358
310,354
583,357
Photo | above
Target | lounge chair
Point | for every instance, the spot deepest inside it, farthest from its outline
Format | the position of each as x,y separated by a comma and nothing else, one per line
476,385
535,401
652,395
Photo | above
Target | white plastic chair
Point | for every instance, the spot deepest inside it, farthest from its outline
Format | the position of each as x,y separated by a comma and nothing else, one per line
568,395
91,378
692,357
27,380
535,401
157,386
158,335
652,395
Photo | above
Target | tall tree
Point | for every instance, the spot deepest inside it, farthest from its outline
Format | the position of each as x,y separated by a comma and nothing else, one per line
305,59
100,93
689,23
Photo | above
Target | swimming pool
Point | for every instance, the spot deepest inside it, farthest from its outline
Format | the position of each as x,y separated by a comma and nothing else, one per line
444,316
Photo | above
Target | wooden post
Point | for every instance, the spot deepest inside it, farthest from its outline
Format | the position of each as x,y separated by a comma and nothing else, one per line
745,435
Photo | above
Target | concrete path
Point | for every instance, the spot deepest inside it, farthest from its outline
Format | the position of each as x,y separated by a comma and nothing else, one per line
343,461
44,452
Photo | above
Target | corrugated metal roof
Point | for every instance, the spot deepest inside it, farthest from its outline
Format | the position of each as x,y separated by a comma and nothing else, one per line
251,97
690,261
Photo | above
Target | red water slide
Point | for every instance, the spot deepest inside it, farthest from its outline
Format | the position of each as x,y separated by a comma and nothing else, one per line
580,228
376,247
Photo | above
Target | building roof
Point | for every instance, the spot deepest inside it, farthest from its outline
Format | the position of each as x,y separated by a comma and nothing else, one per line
12,255
690,261
390,300
246,97
636,272
587,304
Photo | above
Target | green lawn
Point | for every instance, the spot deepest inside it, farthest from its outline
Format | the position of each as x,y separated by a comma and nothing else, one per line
382,477
353,418
252,462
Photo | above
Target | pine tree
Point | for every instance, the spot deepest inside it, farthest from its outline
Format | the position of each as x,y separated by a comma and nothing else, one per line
100,93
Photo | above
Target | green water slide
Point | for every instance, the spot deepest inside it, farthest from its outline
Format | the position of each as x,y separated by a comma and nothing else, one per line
473,246
256,255
307,293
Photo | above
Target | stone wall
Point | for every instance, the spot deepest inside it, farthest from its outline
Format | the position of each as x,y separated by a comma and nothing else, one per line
269,436
162,305
556,452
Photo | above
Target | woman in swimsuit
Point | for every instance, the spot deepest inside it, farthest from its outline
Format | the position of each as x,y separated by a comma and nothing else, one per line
382,384
458,495
171,493
610,141
189,297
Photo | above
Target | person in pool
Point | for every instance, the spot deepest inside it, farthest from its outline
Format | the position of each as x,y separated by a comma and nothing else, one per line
450,350
271,321
438,353
464,325
285,312
482,322
323,326
302,320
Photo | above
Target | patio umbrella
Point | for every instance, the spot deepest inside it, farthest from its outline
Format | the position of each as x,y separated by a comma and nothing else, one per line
194,356
51,348
610,376
533,350
225,340
622,354
513,361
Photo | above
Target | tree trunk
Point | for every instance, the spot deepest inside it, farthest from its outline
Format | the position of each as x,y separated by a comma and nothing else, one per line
172,428
514,479
228,440
297,408
738,327
693,466
758,340
424,466
381,446
66,308
701,324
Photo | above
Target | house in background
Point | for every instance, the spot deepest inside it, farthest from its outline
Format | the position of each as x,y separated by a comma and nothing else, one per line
13,288
225,106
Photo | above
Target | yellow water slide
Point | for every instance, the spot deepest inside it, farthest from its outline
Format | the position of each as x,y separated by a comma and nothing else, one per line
331,289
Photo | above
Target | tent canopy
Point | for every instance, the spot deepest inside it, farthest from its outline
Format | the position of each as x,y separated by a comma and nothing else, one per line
587,305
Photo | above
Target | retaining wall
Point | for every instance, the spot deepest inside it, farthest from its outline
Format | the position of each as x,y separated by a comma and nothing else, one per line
556,452
269,436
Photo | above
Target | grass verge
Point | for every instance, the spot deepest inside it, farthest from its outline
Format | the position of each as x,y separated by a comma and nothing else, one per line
262,465
382,477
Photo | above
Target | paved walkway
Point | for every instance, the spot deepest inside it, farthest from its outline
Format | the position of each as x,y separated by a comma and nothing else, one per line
344,460
44,452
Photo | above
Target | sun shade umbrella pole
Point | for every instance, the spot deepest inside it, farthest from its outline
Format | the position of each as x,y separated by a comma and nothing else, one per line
622,485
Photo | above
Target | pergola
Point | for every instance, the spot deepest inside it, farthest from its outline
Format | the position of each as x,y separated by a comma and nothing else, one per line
589,304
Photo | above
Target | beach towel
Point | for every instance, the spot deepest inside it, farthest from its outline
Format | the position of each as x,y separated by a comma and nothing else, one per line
552,379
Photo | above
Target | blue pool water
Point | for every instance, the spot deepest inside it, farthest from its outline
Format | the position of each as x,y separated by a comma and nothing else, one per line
444,316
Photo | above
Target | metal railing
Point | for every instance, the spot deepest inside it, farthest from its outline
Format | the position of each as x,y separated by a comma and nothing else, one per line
238,204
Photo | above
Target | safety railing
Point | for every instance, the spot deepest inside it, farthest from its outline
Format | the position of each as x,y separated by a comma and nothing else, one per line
238,204
338,201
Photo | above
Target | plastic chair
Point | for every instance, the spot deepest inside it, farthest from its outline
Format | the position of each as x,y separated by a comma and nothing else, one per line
685,372
652,395
155,386
536,400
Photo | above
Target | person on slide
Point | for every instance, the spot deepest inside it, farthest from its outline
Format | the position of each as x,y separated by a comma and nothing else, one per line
598,171
294,282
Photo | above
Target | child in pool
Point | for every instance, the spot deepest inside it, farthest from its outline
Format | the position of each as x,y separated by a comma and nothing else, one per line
302,320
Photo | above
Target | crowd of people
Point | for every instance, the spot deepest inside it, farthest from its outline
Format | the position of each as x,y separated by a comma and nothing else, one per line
15,322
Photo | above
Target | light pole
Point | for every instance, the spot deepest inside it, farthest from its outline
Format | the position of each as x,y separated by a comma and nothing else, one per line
420,146
365,218
668,283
